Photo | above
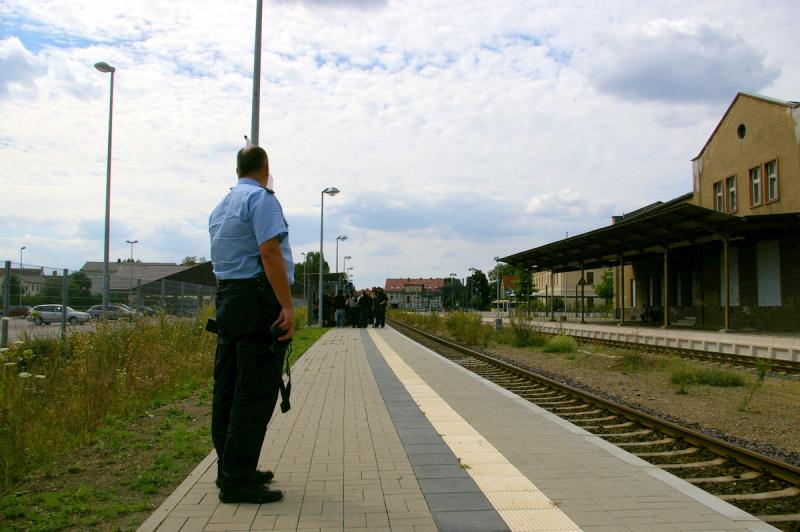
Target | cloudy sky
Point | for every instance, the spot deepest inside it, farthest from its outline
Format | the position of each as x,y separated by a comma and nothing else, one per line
456,130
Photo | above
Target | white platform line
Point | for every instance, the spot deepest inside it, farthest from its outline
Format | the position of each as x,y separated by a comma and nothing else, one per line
518,501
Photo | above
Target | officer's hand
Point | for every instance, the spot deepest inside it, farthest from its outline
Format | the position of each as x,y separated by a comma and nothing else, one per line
285,322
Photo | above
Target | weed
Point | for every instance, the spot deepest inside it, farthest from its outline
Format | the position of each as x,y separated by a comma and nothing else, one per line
560,344
523,335
468,328
763,366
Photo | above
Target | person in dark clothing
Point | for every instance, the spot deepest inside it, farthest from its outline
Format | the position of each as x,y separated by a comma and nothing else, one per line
339,304
355,310
381,300
252,262
365,305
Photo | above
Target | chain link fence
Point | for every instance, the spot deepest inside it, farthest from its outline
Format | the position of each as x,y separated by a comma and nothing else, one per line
35,296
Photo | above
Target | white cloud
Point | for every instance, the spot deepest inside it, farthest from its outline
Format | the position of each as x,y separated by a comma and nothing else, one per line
456,131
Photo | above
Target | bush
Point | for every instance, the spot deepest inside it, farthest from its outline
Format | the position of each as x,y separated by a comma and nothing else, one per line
468,328
713,377
523,335
561,344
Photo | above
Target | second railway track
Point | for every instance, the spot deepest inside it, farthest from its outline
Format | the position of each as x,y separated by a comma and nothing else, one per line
758,484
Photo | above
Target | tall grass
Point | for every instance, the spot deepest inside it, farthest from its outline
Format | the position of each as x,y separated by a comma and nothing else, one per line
685,375
51,400
523,335
468,328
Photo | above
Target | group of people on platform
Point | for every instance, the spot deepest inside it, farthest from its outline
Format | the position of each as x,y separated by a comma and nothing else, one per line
360,308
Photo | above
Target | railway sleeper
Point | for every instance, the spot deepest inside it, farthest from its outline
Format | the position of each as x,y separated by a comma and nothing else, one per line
596,420
780,518
551,403
691,465
650,443
586,405
572,414
749,475
642,432
680,452
618,425
787,492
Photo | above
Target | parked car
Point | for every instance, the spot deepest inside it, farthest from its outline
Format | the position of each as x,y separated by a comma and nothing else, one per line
47,314
116,311
145,310
19,311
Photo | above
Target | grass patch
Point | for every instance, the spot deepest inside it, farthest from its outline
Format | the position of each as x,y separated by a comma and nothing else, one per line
128,466
560,344
686,375
523,335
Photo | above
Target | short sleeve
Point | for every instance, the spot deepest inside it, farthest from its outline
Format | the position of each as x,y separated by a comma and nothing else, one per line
267,217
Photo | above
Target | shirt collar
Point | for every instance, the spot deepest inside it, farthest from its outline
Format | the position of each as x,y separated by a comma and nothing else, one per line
248,181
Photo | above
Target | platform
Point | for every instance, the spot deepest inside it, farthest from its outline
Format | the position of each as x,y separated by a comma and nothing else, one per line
385,435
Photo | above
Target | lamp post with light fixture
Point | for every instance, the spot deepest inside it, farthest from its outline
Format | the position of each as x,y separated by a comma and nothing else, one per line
107,69
330,191
342,238
20,273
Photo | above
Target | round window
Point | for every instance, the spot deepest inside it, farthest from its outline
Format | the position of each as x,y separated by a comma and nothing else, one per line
741,131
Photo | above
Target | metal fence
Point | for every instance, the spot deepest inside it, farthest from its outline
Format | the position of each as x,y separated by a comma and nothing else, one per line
34,295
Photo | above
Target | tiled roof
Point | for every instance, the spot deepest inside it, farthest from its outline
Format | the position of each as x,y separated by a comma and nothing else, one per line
399,284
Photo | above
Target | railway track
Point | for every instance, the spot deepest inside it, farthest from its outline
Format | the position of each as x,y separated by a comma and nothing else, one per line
758,484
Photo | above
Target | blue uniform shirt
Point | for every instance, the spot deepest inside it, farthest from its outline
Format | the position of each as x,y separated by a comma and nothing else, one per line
246,217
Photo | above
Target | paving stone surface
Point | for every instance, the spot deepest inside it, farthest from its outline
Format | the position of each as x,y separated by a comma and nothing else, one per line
357,452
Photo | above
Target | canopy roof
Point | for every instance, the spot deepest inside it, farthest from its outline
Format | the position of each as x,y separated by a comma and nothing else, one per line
670,225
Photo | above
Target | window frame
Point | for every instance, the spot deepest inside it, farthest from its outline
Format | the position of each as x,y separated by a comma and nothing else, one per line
777,197
719,206
759,186
728,189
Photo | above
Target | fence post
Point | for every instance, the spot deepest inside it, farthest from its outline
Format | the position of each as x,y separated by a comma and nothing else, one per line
64,301
199,298
139,301
164,295
180,308
7,303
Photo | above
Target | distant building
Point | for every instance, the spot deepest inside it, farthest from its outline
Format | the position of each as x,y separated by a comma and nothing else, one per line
415,294
124,275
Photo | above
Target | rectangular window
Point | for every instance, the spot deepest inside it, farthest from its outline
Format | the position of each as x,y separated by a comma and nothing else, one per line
719,200
771,171
730,187
589,277
755,186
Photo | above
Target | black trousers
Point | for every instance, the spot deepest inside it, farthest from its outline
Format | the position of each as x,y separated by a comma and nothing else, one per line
380,317
246,377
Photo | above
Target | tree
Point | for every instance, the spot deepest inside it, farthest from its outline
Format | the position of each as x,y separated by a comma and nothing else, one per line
310,266
605,289
479,290
16,288
192,261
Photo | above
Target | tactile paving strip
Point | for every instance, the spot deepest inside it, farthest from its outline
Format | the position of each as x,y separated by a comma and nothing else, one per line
518,501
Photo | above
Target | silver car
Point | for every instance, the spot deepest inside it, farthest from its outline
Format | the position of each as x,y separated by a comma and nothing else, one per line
47,314
116,311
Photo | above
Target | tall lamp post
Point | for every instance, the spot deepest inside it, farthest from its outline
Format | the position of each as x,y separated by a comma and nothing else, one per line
305,267
497,275
330,191
107,69
342,238
254,117
471,291
20,273
131,242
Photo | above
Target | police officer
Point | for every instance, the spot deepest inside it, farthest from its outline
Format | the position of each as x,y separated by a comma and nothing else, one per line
252,262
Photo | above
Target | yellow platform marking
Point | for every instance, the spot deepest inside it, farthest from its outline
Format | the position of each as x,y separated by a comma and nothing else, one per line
518,501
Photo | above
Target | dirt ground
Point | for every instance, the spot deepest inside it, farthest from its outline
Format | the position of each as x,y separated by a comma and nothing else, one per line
771,417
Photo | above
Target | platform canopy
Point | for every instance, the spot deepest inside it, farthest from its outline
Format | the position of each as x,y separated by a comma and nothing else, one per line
647,232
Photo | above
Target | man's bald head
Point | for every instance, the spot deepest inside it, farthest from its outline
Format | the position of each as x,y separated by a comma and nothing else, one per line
252,161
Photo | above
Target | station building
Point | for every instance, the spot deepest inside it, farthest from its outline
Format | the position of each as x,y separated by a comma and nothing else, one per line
723,256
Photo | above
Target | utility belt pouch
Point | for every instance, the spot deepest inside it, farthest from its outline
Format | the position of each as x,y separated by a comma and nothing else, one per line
282,351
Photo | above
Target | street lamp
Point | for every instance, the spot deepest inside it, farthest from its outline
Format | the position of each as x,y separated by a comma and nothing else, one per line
330,191
305,266
254,116
131,242
471,291
452,290
107,69
344,266
20,274
497,275
342,238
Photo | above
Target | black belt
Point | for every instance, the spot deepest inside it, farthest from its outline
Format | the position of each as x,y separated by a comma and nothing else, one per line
253,281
